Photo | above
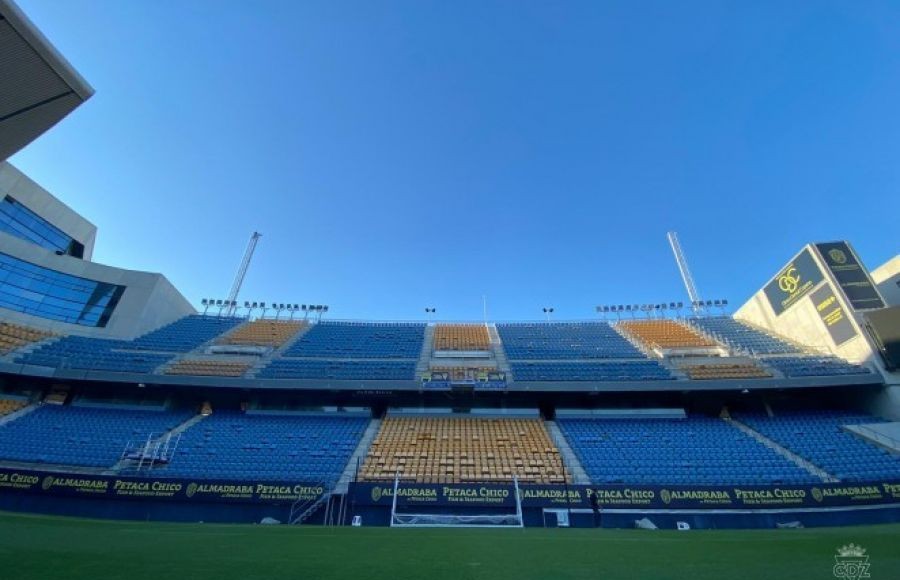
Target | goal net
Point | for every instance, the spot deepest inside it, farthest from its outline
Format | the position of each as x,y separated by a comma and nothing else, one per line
435,520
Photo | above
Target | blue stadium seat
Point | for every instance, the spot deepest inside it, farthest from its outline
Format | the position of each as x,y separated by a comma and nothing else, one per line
337,340
289,447
691,451
818,437
83,436
815,366
645,370
742,336
564,340
287,368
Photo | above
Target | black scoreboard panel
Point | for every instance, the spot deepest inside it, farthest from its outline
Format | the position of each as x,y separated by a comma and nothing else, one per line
884,325
850,275
833,315
793,282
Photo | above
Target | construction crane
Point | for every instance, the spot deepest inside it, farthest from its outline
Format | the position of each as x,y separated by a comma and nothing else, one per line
686,277
242,272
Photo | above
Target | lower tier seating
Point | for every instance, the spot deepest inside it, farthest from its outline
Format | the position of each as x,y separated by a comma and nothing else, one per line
457,449
209,368
819,438
13,336
84,436
376,370
692,451
815,366
646,370
289,447
726,371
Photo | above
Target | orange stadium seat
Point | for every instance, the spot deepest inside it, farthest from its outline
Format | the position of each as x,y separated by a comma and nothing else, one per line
461,337
665,334
13,336
726,371
264,332
463,449
209,368
8,406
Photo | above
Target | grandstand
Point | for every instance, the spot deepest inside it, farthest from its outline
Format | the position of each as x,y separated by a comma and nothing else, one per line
463,449
656,415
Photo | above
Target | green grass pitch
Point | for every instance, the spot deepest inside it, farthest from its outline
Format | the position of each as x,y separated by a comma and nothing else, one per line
51,547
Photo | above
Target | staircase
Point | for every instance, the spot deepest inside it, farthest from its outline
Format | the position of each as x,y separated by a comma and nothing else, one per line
570,460
18,413
160,441
359,455
783,451
265,360
424,363
499,353
302,509
12,355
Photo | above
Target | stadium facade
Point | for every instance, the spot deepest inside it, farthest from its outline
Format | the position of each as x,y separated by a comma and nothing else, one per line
119,399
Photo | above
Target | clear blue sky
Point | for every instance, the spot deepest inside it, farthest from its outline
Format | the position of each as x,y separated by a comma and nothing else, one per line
398,155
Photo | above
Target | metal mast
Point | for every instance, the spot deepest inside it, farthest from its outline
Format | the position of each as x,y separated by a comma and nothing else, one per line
686,277
242,272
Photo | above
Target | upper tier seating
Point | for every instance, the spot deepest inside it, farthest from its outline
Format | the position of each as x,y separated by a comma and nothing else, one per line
209,368
13,336
265,446
665,334
184,334
360,340
815,366
817,436
645,370
740,335
455,449
693,451
725,370
564,340
461,337
287,368
78,352
85,436
8,406
264,332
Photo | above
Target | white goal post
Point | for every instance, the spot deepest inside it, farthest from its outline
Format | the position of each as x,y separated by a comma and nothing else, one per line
426,520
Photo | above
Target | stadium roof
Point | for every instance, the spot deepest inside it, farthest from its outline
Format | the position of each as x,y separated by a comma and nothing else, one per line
40,87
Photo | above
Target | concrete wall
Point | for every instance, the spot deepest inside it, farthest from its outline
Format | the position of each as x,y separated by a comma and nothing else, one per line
803,324
149,300
18,185
887,278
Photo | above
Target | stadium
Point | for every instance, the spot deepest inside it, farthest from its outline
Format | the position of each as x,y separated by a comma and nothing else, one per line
129,414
